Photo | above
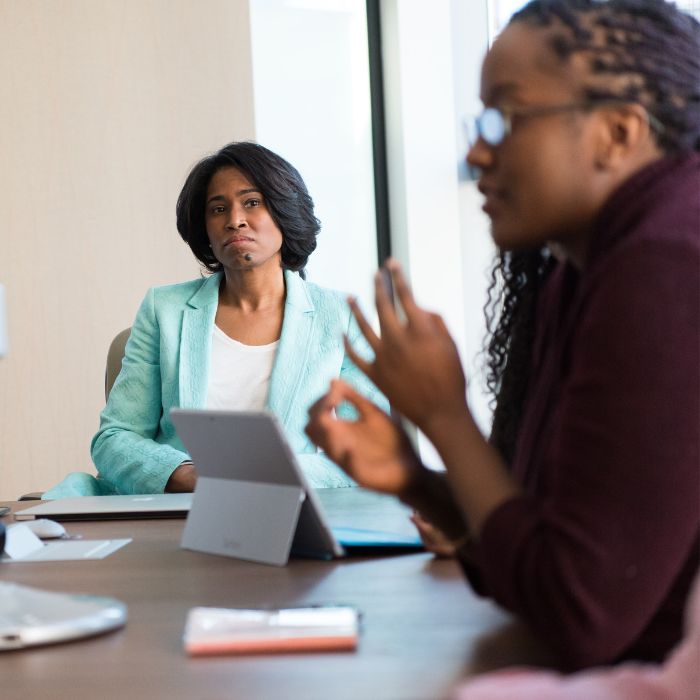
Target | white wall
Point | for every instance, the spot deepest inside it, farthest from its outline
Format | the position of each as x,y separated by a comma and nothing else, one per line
104,105
469,46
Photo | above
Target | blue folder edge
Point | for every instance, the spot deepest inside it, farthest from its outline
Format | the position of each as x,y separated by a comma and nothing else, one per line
352,537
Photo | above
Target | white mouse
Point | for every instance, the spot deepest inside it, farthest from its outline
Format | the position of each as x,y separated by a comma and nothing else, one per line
46,529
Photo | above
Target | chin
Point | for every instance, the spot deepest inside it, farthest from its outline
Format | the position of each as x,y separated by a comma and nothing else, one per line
513,237
505,238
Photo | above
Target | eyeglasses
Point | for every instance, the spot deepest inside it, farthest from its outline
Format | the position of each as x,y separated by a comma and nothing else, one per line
494,124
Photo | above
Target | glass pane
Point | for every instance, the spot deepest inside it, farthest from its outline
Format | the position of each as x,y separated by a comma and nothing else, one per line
500,12
312,106
692,6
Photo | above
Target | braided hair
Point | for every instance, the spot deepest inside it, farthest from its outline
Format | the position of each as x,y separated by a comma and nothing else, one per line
516,279
641,51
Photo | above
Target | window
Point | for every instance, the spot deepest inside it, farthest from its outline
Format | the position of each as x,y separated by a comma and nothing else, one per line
312,106
692,6
500,12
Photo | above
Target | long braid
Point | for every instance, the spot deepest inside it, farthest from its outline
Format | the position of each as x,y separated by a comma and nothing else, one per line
644,51
516,280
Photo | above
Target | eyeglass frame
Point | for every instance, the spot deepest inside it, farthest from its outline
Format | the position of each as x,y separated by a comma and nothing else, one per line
506,116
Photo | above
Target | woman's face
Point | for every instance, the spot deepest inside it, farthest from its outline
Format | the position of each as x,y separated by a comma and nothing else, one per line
242,233
541,182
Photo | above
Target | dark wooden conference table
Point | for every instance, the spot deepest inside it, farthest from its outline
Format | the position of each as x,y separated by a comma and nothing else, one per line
423,630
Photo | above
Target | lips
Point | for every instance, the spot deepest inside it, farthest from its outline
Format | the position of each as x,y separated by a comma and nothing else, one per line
493,196
236,241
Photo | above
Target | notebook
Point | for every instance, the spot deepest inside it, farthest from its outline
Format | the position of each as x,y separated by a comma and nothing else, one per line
260,631
252,500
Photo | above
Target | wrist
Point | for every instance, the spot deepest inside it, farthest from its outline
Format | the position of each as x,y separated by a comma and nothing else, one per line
446,424
430,495
415,489
183,478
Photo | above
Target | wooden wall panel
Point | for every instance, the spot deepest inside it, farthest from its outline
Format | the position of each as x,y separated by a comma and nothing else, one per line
104,105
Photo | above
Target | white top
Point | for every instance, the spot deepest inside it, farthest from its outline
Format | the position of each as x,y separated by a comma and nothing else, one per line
239,375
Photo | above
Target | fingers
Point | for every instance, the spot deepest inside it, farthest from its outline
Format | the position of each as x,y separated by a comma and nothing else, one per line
388,320
415,315
323,405
340,391
327,431
365,366
439,324
362,323
319,415
402,288
433,538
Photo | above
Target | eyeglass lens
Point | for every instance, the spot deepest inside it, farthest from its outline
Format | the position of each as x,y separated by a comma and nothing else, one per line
491,126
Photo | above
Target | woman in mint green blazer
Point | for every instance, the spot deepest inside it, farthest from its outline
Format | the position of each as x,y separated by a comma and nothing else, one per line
248,218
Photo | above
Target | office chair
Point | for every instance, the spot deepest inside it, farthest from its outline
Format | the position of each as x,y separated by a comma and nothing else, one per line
115,354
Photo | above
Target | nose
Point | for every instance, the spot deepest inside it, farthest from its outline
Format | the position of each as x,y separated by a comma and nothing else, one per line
480,155
236,218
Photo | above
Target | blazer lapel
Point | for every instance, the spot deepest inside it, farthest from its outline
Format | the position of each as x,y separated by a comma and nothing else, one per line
195,343
297,337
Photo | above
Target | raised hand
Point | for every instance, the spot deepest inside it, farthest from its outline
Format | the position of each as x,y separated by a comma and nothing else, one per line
373,449
416,363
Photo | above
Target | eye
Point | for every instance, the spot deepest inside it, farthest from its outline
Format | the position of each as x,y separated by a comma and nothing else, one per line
253,202
217,209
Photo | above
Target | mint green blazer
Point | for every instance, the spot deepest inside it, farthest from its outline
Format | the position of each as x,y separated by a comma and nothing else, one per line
166,365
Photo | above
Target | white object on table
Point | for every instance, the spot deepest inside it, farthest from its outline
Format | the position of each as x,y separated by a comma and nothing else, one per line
22,545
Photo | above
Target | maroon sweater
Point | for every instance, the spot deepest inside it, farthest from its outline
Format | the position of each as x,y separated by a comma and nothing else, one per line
599,553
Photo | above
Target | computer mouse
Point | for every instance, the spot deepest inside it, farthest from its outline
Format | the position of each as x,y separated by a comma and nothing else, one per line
46,529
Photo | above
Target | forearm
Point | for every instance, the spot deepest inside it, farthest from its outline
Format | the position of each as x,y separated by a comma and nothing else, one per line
183,479
132,463
476,474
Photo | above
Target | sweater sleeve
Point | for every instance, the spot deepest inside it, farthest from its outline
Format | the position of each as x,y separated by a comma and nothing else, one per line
589,557
124,449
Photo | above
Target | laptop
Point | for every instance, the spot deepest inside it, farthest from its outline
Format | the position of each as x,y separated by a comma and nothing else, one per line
30,616
252,500
154,505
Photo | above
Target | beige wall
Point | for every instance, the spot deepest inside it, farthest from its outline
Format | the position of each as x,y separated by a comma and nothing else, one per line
104,104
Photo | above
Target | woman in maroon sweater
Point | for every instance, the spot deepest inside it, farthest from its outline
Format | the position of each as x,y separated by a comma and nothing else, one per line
581,513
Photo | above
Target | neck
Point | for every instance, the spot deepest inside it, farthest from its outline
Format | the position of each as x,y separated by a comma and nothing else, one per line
255,289
576,247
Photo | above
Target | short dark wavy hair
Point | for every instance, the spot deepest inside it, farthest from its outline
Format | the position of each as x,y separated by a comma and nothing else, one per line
282,188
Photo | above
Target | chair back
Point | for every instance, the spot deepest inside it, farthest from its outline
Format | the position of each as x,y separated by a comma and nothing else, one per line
115,355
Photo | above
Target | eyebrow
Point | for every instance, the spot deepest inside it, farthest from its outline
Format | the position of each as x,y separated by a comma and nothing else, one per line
240,193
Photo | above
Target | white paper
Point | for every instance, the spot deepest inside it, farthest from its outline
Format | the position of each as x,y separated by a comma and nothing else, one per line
21,542
72,550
